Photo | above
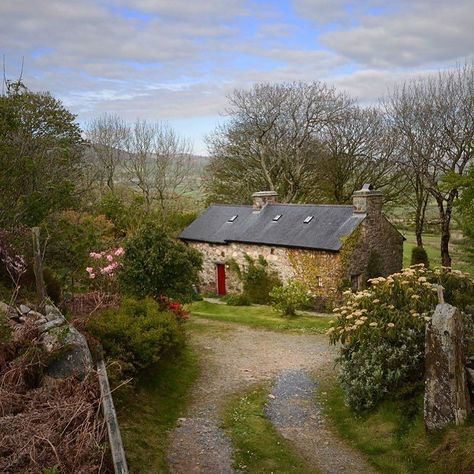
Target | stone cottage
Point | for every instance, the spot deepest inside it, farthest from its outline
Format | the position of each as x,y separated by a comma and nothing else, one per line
328,247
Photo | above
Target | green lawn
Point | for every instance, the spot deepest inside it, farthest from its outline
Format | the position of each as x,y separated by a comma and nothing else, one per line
462,258
149,411
262,317
259,448
393,437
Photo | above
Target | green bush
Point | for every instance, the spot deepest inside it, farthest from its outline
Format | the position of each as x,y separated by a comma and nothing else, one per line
156,264
290,297
256,278
382,331
237,300
371,372
138,334
419,255
124,208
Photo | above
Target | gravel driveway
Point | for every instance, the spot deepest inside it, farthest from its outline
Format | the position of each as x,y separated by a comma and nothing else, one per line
234,357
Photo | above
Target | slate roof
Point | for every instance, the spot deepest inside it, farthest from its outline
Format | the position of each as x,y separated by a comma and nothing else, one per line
324,232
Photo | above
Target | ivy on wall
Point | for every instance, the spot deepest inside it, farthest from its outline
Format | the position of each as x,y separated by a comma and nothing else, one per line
256,278
310,266
349,245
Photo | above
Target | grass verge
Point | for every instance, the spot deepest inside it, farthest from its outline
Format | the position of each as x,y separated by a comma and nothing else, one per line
258,446
393,437
150,410
261,317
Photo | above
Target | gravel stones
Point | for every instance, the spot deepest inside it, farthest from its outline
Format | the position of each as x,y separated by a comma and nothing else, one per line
292,401
295,413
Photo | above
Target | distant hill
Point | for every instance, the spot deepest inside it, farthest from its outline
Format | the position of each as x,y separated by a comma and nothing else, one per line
199,163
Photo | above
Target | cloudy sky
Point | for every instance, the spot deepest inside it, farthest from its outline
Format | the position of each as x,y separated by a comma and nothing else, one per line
176,60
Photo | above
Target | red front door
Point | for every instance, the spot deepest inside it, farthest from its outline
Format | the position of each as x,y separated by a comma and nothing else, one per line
221,291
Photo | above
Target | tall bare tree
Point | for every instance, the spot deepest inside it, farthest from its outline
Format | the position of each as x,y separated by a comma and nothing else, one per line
159,163
272,141
108,136
360,148
435,116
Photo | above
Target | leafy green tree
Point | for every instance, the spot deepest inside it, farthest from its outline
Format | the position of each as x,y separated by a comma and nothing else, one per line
155,264
40,156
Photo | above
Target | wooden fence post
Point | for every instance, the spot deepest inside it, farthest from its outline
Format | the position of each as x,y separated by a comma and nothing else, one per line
115,439
38,269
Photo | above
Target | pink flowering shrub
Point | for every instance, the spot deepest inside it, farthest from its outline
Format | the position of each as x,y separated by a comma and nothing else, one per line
382,331
104,266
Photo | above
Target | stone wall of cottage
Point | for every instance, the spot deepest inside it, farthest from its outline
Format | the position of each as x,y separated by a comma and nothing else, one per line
320,270
374,236
323,272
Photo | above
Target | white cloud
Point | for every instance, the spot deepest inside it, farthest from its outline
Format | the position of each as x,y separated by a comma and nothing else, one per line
421,32
177,59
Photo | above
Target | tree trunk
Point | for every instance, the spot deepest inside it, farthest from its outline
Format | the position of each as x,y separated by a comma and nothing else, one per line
421,203
445,219
420,220
445,236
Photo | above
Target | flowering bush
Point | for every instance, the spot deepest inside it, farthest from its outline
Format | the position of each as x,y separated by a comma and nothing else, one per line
104,267
167,304
287,299
72,236
382,330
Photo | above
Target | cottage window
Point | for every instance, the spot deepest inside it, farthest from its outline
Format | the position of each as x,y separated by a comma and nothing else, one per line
272,251
319,281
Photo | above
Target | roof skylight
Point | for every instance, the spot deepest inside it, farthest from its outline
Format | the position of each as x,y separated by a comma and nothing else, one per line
232,219
308,220
277,217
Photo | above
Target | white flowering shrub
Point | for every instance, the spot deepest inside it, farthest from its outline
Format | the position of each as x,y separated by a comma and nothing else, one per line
382,331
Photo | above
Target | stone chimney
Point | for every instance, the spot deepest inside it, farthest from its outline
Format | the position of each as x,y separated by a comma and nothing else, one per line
262,198
368,201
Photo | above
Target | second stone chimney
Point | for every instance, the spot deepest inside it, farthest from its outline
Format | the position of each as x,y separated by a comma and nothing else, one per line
368,201
262,198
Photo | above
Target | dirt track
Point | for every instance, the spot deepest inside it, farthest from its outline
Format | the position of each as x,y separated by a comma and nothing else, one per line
234,357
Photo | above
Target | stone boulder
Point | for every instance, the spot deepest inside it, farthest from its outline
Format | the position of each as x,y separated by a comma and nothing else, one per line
446,394
70,354
70,349
52,313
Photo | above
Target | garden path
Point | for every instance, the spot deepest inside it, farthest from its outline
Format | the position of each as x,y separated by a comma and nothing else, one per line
235,357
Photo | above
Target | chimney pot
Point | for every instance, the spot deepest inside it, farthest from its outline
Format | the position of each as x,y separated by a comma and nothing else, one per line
262,198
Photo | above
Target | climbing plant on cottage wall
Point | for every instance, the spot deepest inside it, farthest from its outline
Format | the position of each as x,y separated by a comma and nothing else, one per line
320,271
